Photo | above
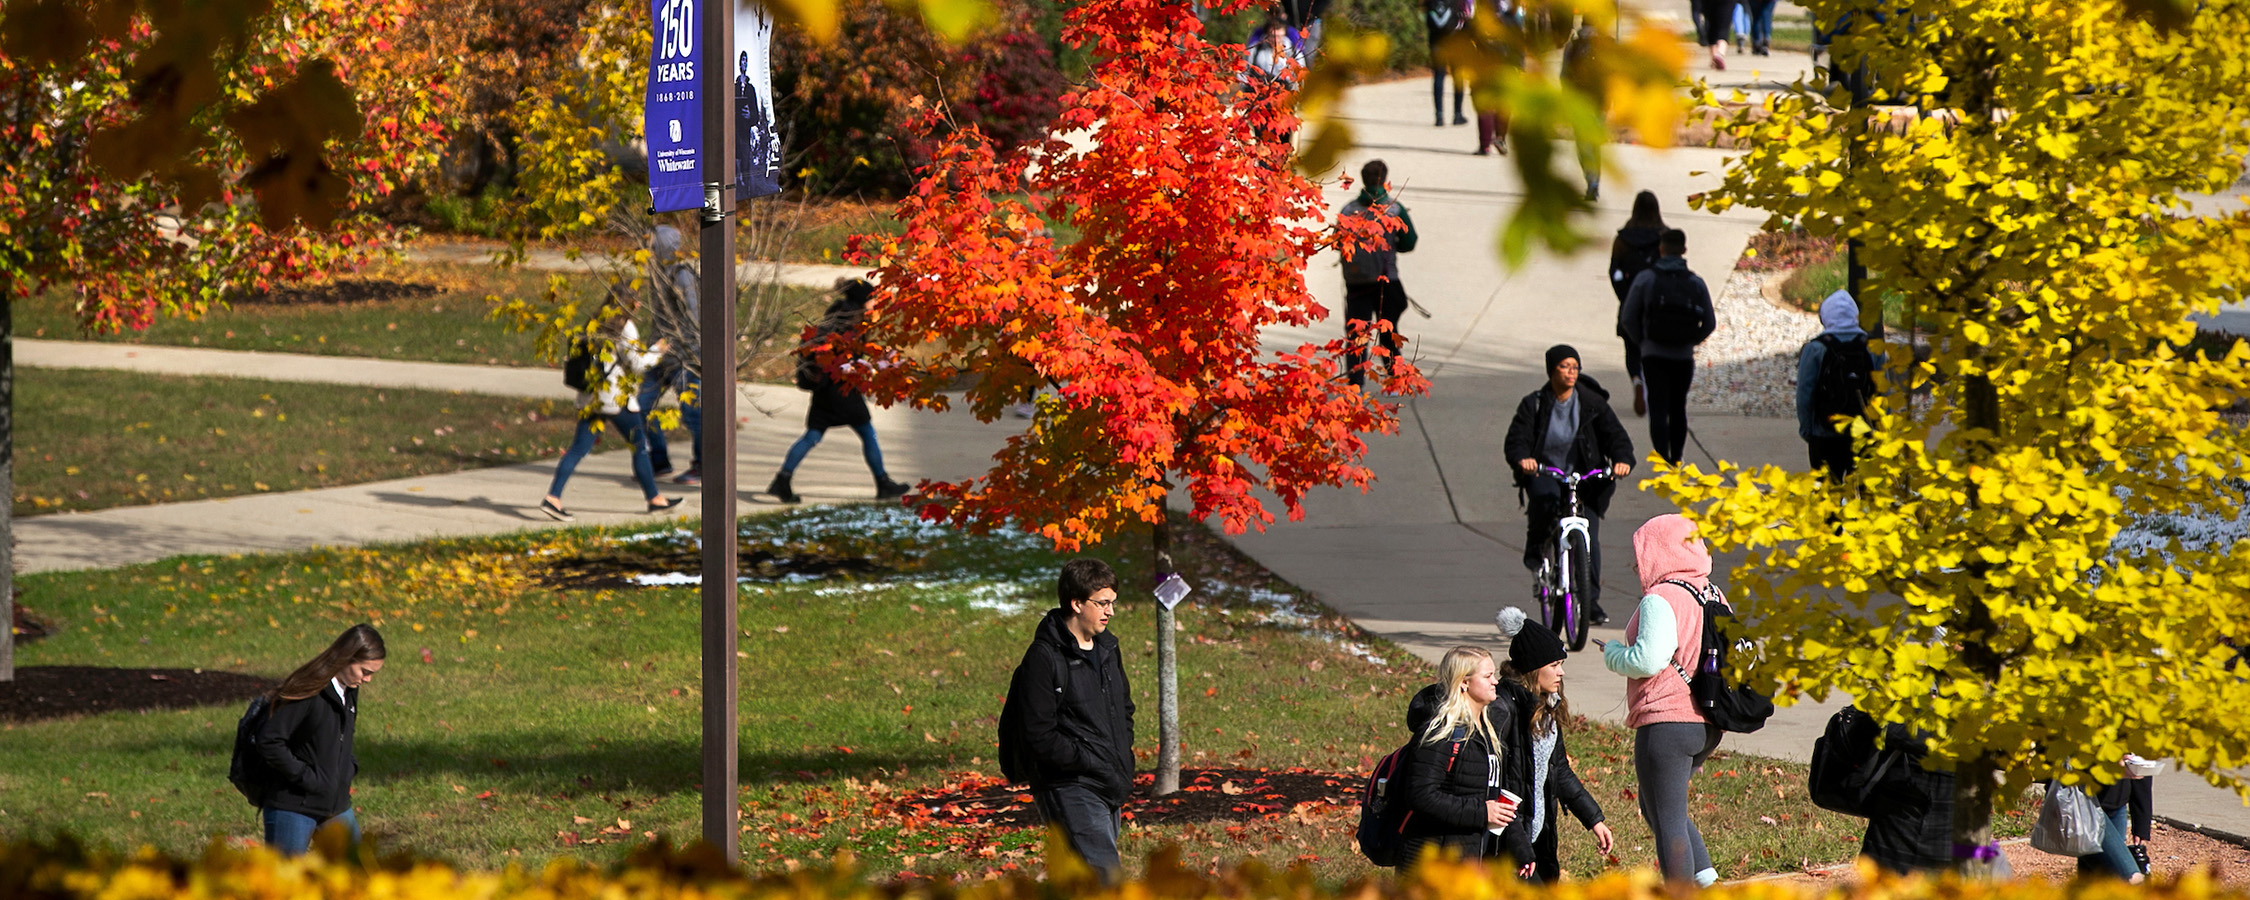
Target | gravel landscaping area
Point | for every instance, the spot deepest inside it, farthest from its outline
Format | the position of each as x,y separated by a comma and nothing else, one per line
1749,365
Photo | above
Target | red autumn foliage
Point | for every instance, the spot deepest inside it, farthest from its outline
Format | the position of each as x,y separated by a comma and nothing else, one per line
1194,237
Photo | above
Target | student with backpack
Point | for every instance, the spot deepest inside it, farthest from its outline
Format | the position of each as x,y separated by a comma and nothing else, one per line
1067,726
609,392
1372,290
1632,252
1465,772
1663,642
1534,679
673,290
301,761
1835,377
833,403
1667,313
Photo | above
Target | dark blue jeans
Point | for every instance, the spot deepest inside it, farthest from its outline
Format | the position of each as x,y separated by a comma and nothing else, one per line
628,424
2115,858
691,415
1088,822
1761,21
867,448
291,833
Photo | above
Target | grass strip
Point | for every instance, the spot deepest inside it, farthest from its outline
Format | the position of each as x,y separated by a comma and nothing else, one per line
94,439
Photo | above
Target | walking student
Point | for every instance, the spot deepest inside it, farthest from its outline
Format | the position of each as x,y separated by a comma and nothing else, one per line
1632,252
835,404
678,322
1534,679
306,741
1077,716
1567,424
1462,762
1662,643
1372,290
616,400
1443,19
1667,313
1714,27
1835,377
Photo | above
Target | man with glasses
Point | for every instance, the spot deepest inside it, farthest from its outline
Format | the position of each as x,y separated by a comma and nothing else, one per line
1567,424
1067,728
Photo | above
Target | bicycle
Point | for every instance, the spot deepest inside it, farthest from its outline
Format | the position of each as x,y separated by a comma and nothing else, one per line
1568,565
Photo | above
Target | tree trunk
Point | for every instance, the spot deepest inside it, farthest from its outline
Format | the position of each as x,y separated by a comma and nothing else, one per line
1973,784
1973,788
7,481
1167,668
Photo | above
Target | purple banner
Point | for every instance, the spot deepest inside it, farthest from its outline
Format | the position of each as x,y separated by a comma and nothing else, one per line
674,121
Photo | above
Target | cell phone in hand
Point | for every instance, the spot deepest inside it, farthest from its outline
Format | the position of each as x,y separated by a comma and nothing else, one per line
1602,644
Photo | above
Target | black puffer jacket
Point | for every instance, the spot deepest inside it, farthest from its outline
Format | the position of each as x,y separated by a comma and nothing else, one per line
307,745
1563,789
1446,791
1080,728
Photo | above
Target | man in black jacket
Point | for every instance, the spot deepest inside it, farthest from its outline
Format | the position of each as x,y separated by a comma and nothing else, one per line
1077,716
1567,424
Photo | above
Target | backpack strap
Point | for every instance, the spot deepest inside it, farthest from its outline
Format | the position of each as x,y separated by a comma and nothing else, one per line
1700,601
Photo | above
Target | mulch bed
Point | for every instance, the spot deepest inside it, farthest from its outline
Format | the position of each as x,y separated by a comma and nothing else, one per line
336,293
40,693
1206,795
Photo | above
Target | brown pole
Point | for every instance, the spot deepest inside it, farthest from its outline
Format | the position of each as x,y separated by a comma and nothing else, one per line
721,736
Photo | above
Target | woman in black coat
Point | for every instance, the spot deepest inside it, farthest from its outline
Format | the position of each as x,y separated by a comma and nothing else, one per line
834,403
1533,681
1465,755
305,744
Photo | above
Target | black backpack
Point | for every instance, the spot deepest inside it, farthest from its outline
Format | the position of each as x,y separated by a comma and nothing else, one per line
1675,310
1383,812
583,369
1846,767
1846,380
1017,762
250,774
1730,707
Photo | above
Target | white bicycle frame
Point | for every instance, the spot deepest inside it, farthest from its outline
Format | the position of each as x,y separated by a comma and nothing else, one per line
1563,529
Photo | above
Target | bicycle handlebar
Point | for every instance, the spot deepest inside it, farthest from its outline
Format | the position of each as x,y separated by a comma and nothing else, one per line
1567,476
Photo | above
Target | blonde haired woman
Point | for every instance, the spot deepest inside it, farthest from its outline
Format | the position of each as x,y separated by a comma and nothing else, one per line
1463,759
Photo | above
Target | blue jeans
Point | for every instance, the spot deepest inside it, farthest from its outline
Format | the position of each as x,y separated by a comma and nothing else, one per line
1761,21
291,833
691,415
627,423
1088,822
867,448
2114,858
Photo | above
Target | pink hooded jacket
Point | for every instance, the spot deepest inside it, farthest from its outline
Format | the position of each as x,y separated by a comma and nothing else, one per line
1664,548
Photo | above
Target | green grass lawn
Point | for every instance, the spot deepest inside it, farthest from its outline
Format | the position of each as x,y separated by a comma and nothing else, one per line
519,723
94,439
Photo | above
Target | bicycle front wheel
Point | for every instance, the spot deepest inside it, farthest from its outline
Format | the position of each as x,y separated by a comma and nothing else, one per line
1572,624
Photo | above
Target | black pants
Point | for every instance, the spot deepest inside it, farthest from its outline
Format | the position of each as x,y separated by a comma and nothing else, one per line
1632,358
1366,303
1832,455
1714,21
1668,381
1088,822
1544,492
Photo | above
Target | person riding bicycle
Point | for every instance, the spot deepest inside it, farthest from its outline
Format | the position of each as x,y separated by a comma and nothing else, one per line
1567,424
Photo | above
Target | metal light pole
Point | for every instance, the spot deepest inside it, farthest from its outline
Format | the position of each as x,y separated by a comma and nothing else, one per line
721,736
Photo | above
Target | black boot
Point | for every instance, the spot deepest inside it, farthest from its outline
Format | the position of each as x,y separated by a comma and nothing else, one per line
886,489
780,489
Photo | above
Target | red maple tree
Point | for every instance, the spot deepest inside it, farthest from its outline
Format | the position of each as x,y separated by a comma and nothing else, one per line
1193,238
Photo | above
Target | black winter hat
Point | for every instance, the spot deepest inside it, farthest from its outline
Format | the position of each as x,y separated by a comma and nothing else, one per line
1559,352
1529,649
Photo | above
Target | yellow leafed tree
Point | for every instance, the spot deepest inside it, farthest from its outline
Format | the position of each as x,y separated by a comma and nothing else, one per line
2039,559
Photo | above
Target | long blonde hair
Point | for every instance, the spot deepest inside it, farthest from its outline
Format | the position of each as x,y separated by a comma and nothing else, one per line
1458,711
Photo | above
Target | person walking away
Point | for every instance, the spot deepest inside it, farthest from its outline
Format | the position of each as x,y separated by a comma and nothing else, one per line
305,743
1462,761
835,403
1910,811
614,399
1714,27
1761,26
678,321
1670,738
1077,716
1533,678
2127,806
1492,126
1442,19
1632,252
1835,377
1668,312
1372,290
1578,72
1567,424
